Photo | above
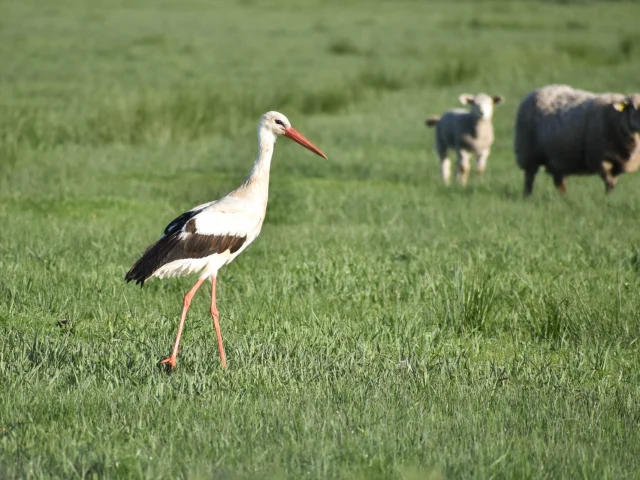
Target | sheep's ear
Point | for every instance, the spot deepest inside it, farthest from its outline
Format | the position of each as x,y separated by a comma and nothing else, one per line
620,106
498,99
466,99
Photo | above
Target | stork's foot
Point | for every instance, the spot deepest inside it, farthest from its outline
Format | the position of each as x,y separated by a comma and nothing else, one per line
169,362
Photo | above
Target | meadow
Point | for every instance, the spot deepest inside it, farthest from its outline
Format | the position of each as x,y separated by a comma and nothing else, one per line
382,326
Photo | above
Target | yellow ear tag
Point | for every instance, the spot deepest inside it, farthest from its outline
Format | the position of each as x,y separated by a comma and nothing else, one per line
620,106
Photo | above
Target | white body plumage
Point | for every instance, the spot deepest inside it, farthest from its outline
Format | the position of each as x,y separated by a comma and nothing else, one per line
238,218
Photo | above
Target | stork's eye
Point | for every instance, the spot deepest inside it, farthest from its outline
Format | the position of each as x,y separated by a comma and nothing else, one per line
280,122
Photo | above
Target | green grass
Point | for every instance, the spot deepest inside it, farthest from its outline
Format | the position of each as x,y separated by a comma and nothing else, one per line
382,326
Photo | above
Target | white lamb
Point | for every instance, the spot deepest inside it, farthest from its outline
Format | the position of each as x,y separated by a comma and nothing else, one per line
467,132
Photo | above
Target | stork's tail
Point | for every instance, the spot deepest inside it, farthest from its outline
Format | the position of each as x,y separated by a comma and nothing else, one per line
139,272
153,258
432,121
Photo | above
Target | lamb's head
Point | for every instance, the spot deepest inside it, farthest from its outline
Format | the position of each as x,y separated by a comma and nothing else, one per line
630,108
481,104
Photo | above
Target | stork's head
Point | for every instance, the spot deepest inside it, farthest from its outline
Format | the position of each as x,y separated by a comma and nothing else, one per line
276,124
481,104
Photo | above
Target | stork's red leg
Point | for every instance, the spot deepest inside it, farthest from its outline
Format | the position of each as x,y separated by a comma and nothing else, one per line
171,361
216,323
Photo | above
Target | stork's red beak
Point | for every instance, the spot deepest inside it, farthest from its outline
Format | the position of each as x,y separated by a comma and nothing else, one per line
297,137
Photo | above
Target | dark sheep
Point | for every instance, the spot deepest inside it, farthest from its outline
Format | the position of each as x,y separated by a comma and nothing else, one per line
573,132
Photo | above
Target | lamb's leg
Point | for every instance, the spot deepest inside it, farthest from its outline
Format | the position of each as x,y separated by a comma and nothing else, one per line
463,167
445,167
529,177
481,161
445,163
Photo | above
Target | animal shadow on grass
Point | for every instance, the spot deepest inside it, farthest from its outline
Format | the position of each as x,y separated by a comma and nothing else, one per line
482,187
508,192
343,47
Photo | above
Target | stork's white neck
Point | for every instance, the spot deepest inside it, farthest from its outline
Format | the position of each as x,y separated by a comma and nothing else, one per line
258,179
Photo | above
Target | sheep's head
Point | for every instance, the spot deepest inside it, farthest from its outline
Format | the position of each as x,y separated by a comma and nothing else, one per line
630,108
481,104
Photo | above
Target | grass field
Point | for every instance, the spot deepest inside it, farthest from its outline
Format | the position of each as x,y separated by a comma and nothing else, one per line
382,326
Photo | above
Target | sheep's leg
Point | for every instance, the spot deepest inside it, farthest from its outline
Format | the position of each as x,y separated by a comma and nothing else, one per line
608,176
529,177
481,161
463,167
560,182
609,181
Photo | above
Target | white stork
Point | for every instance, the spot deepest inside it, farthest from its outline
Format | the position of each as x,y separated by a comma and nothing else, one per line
212,234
